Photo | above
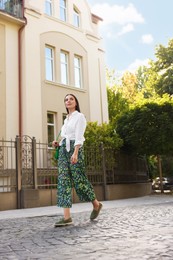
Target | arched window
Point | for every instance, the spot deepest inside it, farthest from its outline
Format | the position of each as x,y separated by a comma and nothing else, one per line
76,17
48,7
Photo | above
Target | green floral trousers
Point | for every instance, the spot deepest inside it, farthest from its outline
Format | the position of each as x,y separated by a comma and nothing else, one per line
72,175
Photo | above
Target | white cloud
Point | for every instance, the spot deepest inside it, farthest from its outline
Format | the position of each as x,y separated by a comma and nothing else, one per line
118,14
147,39
110,35
136,64
132,67
127,28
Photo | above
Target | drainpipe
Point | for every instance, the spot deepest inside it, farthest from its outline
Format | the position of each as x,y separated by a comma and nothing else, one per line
18,143
20,71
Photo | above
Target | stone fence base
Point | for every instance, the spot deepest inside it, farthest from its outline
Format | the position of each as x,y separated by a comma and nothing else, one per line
47,197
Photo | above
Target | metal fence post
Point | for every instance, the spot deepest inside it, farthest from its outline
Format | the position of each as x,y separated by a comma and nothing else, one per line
34,163
18,171
104,172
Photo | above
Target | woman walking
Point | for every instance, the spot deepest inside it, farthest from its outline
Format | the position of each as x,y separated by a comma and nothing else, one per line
71,168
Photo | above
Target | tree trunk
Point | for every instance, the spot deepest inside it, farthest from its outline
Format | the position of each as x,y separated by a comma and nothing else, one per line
160,172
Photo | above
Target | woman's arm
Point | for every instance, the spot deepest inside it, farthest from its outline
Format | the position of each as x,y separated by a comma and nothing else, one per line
80,130
79,137
74,157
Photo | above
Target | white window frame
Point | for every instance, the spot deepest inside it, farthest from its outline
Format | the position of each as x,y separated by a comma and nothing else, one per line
49,64
48,7
64,67
63,10
76,17
78,71
51,125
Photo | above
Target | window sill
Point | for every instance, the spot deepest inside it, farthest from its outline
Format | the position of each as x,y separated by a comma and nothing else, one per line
55,84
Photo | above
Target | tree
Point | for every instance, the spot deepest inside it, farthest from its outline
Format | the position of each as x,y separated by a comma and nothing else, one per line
164,66
159,75
96,134
140,105
148,130
146,78
117,103
129,90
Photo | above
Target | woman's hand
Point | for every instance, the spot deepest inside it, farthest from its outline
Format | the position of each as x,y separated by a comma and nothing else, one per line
74,157
55,144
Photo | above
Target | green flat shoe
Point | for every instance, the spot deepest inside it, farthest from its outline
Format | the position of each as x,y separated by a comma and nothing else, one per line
95,213
63,222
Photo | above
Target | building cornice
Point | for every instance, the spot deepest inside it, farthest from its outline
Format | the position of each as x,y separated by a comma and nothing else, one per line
33,12
96,19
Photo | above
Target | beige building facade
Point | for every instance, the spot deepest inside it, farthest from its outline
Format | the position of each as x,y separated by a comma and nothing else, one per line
49,49
9,73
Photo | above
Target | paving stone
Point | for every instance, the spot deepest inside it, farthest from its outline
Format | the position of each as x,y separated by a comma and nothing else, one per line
133,232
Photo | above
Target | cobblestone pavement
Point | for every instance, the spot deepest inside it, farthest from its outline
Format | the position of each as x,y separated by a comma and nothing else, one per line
120,233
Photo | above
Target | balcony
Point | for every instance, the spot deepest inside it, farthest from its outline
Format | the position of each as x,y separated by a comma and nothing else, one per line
12,7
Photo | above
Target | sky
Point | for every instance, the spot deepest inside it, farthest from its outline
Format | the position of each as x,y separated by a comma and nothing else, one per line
132,29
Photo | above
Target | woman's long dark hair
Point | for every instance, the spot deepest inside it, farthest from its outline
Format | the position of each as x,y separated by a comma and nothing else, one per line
77,103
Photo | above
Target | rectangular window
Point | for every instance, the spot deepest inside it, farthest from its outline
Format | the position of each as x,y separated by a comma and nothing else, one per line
76,17
49,61
48,7
51,128
78,71
64,67
63,10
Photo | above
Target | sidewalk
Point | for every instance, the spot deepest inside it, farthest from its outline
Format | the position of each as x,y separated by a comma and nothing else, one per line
83,207
129,229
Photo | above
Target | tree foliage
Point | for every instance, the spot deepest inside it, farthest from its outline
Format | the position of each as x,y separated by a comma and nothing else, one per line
159,74
148,129
129,85
97,134
117,104
140,105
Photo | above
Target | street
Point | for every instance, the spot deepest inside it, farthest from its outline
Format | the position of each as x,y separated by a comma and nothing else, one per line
139,228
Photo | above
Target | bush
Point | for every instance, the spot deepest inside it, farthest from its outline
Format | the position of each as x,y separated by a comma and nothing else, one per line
96,134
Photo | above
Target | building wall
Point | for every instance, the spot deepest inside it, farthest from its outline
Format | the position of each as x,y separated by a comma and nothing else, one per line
2,82
39,95
9,69
53,93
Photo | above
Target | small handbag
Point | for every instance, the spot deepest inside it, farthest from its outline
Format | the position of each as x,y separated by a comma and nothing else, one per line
56,155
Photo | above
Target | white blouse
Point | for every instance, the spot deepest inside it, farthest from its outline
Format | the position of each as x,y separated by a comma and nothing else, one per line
73,129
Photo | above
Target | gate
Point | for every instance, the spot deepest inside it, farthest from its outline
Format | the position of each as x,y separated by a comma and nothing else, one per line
26,167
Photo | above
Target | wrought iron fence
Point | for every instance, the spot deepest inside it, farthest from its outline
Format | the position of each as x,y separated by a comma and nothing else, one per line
26,164
46,167
7,166
12,7
94,165
123,168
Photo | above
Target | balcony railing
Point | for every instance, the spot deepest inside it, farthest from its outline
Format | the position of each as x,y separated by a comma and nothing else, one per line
12,7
